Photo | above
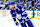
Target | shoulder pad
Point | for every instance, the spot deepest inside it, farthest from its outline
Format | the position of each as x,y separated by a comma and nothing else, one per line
19,7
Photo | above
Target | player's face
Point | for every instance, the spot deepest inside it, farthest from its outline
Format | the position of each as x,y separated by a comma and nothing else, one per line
13,5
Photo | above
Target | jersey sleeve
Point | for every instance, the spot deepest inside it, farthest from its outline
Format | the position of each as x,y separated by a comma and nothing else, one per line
14,17
24,14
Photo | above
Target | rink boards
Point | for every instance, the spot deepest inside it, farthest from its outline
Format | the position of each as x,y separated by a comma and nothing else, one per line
30,13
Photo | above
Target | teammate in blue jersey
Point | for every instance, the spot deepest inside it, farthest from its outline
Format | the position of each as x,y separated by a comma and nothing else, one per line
18,13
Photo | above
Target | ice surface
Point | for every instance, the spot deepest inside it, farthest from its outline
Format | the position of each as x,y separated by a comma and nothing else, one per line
7,21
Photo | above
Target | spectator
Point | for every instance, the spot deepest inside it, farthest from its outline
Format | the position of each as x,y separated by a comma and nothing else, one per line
26,8
26,5
32,5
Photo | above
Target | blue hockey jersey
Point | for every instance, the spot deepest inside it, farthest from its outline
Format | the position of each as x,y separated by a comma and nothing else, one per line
19,10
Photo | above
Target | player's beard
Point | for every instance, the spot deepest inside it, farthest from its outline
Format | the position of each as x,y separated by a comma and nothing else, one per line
14,8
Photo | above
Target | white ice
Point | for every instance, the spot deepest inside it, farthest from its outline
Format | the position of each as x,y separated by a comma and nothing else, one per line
7,21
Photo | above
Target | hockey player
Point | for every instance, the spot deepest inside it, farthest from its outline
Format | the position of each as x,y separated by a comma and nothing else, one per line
22,18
